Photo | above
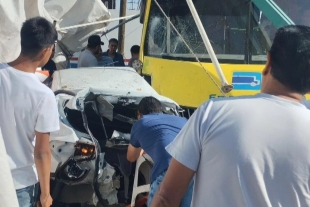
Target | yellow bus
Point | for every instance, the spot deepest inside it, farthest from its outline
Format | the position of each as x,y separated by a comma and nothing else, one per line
240,32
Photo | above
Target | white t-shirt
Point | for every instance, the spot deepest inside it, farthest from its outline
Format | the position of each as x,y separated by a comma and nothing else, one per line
247,152
87,59
26,105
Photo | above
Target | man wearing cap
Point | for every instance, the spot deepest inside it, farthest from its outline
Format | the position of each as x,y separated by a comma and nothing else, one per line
88,58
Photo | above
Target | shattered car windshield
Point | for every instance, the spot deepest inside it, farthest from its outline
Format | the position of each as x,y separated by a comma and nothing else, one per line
232,26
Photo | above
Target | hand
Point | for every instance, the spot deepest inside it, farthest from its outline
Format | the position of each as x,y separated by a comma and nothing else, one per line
142,152
45,201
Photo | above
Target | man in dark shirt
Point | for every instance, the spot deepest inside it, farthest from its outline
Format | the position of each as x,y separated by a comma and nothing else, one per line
111,52
50,65
152,133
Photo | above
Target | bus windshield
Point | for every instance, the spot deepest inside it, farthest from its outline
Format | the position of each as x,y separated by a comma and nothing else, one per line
238,31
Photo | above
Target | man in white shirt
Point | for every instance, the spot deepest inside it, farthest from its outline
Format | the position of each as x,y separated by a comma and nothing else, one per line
88,57
249,151
28,113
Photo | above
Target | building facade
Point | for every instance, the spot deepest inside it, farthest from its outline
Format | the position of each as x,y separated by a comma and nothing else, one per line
110,4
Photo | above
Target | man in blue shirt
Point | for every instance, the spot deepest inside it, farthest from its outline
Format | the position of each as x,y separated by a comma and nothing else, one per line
111,52
152,133
104,61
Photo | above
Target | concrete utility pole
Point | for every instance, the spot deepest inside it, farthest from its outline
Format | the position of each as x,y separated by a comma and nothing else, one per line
121,30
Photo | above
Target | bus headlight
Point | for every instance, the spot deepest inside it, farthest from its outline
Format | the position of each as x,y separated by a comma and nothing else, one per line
84,151
137,65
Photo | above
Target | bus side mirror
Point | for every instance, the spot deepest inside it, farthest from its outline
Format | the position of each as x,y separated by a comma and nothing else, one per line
142,10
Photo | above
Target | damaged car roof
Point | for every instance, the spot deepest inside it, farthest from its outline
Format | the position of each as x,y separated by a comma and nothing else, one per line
121,80
113,81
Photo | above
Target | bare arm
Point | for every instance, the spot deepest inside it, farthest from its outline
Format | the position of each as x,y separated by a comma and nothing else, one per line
174,185
133,153
42,157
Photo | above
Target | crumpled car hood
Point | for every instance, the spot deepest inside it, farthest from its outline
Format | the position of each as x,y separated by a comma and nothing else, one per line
107,81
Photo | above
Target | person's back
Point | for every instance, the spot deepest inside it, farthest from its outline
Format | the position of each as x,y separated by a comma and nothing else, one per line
250,156
250,151
153,132
87,57
105,61
28,113
22,97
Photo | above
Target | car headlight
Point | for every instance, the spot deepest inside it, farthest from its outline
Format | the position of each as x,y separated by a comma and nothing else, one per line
84,151
70,172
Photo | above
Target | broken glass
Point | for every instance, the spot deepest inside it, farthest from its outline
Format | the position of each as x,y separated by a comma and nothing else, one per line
238,31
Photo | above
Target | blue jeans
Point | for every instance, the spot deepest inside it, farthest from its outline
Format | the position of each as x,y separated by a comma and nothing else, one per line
27,197
187,199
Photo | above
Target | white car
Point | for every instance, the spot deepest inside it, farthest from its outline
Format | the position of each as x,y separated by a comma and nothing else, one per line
97,108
